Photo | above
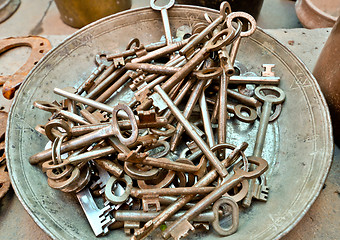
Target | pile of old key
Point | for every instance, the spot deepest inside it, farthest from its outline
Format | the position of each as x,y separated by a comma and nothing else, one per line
163,159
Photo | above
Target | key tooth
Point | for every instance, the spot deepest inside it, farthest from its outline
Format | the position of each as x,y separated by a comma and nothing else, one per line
112,206
140,233
103,178
96,217
182,230
97,184
106,210
260,191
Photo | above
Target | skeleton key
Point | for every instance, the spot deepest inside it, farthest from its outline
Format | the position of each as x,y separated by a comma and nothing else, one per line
102,86
99,219
163,163
269,95
221,39
139,193
165,18
206,117
92,103
163,179
143,93
246,100
92,137
224,10
140,216
140,173
133,218
181,226
113,198
238,109
192,133
109,91
182,201
131,52
194,96
222,111
206,74
161,52
234,15
96,154
51,129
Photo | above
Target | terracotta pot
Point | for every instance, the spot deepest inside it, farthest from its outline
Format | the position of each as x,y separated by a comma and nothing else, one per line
327,73
316,13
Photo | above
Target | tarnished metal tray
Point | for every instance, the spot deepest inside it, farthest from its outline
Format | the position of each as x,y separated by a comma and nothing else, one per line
299,145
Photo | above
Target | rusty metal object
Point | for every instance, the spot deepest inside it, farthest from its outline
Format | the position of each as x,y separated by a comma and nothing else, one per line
327,73
3,123
293,206
39,45
5,182
317,14
7,8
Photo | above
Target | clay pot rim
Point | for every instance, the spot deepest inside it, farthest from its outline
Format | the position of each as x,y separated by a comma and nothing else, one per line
320,12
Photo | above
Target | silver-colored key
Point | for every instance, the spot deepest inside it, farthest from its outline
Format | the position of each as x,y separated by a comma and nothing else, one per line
165,18
269,95
99,219
104,176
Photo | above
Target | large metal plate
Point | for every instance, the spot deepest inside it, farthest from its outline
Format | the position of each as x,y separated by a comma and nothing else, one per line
299,145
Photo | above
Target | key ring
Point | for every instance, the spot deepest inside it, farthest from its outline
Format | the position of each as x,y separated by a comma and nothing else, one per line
137,173
164,152
252,114
271,94
243,15
235,216
134,129
52,129
165,178
110,196
47,106
225,36
208,73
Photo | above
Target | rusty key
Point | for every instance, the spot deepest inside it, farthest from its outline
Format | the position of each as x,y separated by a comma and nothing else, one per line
269,95
181,226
